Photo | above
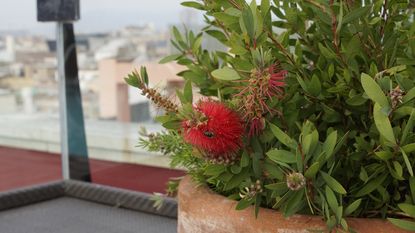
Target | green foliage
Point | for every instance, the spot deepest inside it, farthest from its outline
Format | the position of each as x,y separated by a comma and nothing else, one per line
345,120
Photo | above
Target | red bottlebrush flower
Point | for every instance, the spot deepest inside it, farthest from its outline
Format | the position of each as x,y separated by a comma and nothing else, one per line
256,126
218,132
276,80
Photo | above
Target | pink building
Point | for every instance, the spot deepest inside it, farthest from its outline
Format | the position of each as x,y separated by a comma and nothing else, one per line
116,98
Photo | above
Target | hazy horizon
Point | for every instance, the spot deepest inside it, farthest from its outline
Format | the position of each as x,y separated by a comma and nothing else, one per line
96,15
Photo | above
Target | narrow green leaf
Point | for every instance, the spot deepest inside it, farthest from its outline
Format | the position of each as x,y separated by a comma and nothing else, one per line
408,128
226,74
248,22
243,204
283,137
355,14
404,224
214,170
383,124
333,183
217,35
384,155
410,95
311,172
371,186
331,199
132,80
187,92
330,144
281,156
412,187
352,207
177,35
407,163
172,124
409,148
169,58
327,53
407,208
373,90
314,86
281,186
195,5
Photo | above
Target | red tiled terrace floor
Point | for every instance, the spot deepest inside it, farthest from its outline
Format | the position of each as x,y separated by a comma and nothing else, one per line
20,168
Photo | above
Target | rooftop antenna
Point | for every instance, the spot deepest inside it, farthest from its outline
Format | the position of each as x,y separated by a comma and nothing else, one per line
75,163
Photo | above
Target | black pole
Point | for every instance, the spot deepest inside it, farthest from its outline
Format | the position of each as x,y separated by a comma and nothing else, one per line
75,163
76,139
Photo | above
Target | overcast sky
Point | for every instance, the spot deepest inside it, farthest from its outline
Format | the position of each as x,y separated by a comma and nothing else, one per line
96,15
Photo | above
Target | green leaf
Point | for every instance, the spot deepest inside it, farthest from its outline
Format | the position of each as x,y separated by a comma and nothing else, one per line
329,144
144,75
352,207
407,163
177,35
283,137
404,224
373,90
412,187
314,86
408,209
195,5
327,53
132,80
333,183
243,204
331,199
408,128
409,148
355,14
281,186
311,172
384,155
217,35
356,100
410,95
371,186
169,58
214,170
235,169
281,156
176,124
293,203
383,124
196,45
248,22
245,159
187,92
226,74
310,142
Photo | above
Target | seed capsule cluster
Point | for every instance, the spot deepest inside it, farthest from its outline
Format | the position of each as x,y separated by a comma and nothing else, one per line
295,181
250,192
396,96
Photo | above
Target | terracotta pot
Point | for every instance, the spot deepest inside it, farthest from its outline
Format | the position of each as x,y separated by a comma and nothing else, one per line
203,211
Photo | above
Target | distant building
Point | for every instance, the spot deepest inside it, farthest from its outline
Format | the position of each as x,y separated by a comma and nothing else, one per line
7,102
124,103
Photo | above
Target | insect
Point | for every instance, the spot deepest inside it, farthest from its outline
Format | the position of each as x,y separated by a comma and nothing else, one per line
209,134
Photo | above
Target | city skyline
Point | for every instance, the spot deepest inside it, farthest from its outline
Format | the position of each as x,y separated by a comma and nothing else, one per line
96,15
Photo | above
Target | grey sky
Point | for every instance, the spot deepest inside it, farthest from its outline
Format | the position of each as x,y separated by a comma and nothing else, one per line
96,15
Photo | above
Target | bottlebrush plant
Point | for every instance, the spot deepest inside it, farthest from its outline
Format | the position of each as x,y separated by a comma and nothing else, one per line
310,110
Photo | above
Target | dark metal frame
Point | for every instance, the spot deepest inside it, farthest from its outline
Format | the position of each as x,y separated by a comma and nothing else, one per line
102,194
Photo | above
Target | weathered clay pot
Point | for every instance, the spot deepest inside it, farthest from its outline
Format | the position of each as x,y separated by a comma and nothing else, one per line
203,211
